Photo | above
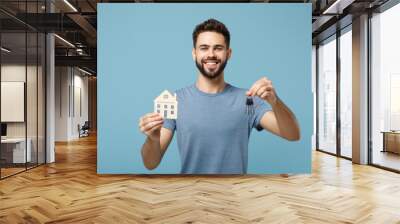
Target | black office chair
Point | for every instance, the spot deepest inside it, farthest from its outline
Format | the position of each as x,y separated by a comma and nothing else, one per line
84,130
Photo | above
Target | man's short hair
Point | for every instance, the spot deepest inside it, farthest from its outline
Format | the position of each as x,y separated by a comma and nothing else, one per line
211,25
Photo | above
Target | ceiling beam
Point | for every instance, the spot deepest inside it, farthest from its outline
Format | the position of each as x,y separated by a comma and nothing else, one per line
337,6
86,26
84,61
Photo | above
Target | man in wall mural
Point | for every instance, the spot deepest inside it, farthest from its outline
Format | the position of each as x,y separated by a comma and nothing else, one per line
214,118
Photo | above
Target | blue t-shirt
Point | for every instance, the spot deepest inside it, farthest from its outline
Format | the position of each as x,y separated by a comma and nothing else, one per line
213,130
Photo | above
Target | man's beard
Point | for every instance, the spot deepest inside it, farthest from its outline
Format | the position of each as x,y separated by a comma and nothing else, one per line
214,74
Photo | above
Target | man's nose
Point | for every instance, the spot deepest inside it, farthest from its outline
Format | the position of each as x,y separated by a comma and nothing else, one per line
211,53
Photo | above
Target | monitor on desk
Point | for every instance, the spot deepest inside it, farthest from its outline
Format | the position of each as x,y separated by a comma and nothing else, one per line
3,130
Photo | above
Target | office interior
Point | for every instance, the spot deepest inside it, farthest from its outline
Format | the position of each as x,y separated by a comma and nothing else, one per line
49,77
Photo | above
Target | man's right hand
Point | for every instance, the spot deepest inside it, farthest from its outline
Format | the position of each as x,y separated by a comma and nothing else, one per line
151,124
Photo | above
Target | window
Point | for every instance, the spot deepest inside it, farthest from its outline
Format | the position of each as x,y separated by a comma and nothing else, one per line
385,87
332,51
165,106
327,95
172,106
394,102
172,112
158,105
165,96
158,111
346,93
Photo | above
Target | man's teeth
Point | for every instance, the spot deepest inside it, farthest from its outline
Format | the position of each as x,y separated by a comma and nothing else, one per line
211,63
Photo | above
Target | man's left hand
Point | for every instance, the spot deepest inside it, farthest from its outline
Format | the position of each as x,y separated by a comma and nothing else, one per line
264,89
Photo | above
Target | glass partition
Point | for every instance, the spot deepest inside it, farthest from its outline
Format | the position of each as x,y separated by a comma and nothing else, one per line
32,95
14,154
22,63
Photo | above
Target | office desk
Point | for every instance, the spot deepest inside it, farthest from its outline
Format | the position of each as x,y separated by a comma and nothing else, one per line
391,141
13,150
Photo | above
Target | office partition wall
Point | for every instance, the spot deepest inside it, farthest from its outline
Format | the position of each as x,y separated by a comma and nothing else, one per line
13,79
22,77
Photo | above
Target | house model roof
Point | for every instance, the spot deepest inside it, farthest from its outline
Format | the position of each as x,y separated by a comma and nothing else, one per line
170,97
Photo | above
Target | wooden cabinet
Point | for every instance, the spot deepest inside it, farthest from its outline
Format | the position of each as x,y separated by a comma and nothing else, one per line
391,141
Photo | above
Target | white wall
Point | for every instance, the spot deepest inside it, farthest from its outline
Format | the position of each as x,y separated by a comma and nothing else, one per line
33,127
10,73
70,84
62,81
15,72
79,112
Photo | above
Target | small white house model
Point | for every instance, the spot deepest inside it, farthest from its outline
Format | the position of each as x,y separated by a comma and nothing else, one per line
166,105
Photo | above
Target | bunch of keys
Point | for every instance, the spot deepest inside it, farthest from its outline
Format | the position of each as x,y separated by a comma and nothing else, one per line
249,105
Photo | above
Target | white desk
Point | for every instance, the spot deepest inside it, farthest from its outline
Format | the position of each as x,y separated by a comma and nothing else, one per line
18,149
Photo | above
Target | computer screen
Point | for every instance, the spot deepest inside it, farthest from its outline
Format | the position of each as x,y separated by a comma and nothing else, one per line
3,129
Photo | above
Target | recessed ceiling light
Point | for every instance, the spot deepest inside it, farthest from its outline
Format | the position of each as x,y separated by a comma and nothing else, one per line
337,7
84,71
71,6
64,40
5,50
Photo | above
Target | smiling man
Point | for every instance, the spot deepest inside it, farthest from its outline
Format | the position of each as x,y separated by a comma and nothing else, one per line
214,121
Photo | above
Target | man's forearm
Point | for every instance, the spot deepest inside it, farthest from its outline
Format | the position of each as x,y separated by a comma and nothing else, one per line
286,120
151,153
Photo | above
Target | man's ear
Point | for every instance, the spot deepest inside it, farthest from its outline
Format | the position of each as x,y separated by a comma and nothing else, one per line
194,54
229,53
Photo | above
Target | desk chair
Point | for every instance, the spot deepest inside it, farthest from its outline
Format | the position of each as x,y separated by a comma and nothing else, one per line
84,130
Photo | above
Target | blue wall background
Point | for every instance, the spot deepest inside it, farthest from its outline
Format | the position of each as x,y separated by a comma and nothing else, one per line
146,48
